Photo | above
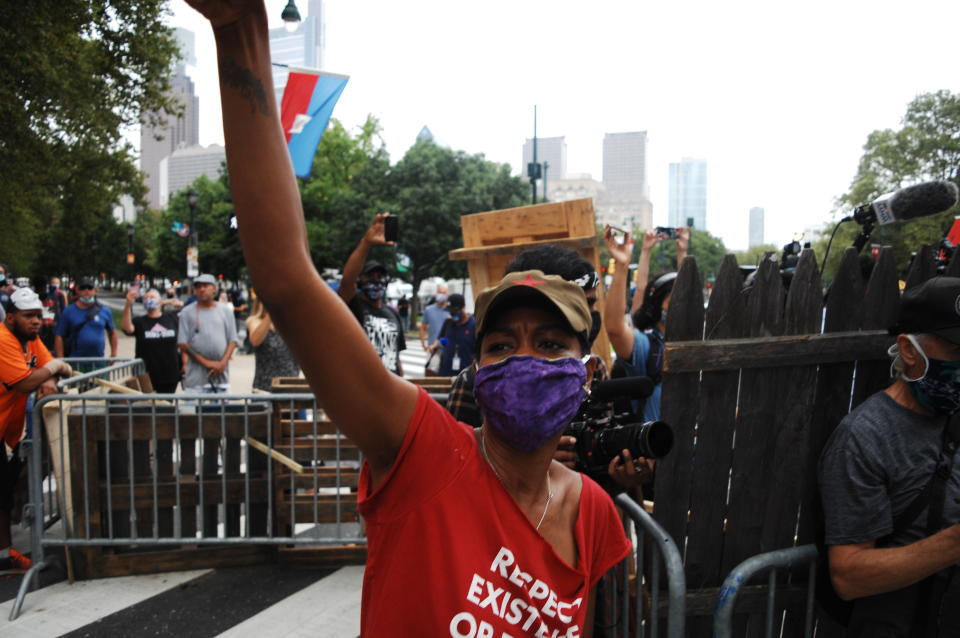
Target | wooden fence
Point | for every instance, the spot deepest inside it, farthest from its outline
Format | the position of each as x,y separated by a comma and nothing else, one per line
754,383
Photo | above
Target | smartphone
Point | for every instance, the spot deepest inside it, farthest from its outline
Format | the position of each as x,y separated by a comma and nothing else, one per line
667,232
391,228
135,287
619,234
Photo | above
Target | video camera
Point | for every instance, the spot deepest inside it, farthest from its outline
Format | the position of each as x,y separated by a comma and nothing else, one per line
602,433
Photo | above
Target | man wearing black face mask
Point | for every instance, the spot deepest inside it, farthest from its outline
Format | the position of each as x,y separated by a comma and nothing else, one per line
890,482
364,288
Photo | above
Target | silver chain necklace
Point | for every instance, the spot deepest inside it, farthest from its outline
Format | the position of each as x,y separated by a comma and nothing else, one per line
546,506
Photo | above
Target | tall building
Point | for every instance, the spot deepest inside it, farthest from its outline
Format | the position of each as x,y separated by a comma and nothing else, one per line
304,47
626,202
180,168
625,162
688,193
175,132
756,227
553,151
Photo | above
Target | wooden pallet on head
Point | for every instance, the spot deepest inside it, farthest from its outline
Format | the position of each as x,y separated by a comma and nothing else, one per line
492,239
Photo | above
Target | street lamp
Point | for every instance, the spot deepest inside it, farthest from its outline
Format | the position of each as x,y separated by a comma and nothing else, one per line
193,253
290,16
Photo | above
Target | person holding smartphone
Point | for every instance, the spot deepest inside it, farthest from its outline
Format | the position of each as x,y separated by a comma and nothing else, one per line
155,333
364,288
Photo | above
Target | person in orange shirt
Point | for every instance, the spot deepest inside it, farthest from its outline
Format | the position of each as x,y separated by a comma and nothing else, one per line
25,366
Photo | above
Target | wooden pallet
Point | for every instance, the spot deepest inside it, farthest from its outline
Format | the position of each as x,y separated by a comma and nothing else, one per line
492,239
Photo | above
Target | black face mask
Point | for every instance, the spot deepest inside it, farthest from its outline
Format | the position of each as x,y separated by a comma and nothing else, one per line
595,326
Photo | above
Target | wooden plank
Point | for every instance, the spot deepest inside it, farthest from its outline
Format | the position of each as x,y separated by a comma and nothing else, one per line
718,408
881,305
759,407
546,221
325,510
105,565
512,248
275,455
791,428
189,492
771,352
924,266
322,557
844,312
326,450
189,425
679,404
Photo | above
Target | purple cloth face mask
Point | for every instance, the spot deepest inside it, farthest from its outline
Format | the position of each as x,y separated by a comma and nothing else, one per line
528,400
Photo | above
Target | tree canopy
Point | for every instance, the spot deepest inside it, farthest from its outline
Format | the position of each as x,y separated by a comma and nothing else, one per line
75,75
925,147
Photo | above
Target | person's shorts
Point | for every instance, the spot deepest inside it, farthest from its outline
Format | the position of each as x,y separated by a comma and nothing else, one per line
9,471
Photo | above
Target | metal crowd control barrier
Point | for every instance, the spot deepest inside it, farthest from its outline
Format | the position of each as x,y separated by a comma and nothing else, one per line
768,562
144,472
112,369
625,611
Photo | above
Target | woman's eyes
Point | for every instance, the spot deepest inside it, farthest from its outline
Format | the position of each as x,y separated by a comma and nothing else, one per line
550,344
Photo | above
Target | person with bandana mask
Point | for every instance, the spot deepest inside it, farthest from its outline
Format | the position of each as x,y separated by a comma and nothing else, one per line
467,529
458,336
892,530
155,333
364,288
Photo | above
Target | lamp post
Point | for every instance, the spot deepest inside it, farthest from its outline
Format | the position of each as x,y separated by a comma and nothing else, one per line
290,16
193,252
131,256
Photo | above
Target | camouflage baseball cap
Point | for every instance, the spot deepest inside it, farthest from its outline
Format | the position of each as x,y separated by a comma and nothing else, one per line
566,296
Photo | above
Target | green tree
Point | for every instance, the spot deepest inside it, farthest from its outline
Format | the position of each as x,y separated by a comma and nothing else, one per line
434,186
708,250
925,147
753,255
350,182
74,76
218,245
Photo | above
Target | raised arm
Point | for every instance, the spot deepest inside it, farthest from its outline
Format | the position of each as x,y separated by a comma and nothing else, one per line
621,337
126,318
683,244
351,270
368,403
650,240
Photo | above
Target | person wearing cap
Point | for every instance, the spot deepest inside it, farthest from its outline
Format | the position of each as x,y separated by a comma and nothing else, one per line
364,288
466,528
458,336
892,529
434,316
80,331
207,337
26,366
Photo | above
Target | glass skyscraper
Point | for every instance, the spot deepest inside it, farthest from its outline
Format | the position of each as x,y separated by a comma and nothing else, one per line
688,193
303,47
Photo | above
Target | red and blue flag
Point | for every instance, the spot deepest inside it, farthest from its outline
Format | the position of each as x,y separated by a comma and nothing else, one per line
308,101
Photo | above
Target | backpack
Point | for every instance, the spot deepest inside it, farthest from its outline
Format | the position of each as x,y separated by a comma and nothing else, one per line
653,367
71,341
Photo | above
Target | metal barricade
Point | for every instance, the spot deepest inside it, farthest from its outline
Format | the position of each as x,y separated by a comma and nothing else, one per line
626,609
90,369
143,472
769,562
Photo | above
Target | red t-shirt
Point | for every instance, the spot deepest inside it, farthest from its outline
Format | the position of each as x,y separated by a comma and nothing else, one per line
451,554
17,361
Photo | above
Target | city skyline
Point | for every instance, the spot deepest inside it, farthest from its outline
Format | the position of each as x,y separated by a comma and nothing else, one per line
747,92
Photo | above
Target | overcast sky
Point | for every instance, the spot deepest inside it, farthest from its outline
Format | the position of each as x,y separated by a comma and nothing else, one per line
777,97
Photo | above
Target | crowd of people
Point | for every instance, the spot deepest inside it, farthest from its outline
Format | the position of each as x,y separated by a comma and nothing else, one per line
537,534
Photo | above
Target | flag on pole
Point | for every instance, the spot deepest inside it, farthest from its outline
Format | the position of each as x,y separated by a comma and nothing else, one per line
308,101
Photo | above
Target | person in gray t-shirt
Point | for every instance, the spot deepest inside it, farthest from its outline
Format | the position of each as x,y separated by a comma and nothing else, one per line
208,336
879,459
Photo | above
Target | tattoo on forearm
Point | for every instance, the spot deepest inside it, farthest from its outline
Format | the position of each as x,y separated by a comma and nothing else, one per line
249,85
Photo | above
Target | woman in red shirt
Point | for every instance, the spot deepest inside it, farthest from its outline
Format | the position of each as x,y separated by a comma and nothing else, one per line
471,533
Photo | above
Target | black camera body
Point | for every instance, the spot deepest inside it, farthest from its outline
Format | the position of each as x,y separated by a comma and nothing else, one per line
602,433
